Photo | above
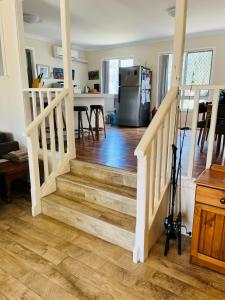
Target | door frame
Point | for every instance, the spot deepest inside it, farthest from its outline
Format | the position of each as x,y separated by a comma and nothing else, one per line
33,59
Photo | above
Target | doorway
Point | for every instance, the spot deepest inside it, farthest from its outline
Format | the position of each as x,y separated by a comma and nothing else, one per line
31,72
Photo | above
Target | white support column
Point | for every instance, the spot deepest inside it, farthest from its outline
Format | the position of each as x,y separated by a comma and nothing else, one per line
68,84
179,41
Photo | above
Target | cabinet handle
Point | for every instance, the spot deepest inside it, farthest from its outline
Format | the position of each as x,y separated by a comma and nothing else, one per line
222,201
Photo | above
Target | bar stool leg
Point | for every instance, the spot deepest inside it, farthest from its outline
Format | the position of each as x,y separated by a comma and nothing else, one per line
90,127
82,128
97,124
79,124
91,114
103,118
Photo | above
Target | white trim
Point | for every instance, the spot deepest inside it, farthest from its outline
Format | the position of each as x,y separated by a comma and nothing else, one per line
33,60
2,45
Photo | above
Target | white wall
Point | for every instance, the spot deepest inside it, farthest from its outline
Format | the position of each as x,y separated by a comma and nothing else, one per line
44,55
148,55
12,117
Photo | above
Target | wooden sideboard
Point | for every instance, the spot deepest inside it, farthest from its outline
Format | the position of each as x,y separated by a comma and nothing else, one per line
208,233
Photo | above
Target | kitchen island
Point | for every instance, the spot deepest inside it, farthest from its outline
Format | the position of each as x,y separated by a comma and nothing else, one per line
107,101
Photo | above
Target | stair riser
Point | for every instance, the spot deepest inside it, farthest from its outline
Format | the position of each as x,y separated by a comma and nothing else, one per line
100,197
104,174
98,228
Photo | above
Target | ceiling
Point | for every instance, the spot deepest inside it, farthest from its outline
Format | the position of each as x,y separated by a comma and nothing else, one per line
106,23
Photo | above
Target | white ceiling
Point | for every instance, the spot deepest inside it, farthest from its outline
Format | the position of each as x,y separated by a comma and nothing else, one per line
106,23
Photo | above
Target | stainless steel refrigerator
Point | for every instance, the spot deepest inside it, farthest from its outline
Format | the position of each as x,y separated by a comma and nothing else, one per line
134,96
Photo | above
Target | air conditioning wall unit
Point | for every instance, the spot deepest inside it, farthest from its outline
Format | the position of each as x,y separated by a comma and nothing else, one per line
58,53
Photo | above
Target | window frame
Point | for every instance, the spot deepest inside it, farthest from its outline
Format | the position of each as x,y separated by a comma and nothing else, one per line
191,50
184,76
114,58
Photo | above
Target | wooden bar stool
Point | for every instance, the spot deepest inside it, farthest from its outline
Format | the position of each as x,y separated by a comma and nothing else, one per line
81,128
98,109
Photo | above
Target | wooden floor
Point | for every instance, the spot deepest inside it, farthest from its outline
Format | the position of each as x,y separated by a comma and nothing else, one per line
44,259
117,150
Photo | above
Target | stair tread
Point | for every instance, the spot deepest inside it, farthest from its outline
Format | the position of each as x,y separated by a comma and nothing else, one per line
96,211
121,190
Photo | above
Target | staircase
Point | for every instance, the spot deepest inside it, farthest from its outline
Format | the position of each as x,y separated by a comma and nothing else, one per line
96,199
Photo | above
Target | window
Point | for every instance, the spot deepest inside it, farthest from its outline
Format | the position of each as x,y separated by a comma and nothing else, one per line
197,67
111,73
197,70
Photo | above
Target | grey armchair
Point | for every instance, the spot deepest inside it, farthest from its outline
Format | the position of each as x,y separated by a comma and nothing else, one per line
7,144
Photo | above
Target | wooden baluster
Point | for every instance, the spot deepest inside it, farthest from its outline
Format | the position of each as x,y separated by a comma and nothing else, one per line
193,133
165,149
34,104
52,135
212,129
60,131
158,159
32,148
141,237
43,139
171,137
152,178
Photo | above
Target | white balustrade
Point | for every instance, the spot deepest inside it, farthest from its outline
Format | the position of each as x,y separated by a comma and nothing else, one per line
153,171
154,156
47,143
38,99
213,98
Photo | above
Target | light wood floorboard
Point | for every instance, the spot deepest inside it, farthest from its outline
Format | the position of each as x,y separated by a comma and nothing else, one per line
41,258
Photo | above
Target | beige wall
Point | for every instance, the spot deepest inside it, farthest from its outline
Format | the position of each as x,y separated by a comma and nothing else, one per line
12,117
44,55
148,55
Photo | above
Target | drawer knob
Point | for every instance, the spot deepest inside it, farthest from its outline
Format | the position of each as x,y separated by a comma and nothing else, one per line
222,201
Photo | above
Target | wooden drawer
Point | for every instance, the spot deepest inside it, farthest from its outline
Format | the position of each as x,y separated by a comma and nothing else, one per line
210,196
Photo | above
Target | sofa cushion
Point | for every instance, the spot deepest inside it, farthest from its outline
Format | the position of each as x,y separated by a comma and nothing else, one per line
2,137
7,147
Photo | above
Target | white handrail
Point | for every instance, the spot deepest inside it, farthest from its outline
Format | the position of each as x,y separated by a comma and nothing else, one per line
39,119
150,133
43,90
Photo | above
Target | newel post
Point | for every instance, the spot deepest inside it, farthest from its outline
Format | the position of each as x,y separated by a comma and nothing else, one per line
140,252
68,84
179,41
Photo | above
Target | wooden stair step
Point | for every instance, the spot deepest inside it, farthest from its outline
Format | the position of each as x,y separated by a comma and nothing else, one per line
105,223
121,199
103,173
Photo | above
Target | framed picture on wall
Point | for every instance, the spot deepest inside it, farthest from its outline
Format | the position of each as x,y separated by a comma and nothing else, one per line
58,73
93,75
43,69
